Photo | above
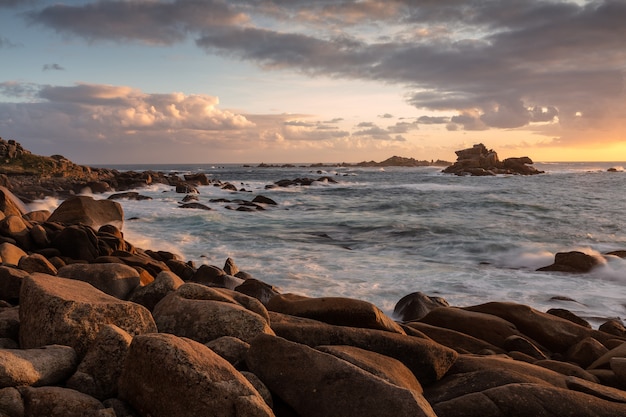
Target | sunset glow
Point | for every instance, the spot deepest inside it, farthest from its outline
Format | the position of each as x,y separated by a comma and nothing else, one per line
242,81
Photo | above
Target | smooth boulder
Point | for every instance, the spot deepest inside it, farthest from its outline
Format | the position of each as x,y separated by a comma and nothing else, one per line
169,376
69,312
117,280
48,365
87,211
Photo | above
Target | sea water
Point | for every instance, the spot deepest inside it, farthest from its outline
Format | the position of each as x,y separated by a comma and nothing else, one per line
380,234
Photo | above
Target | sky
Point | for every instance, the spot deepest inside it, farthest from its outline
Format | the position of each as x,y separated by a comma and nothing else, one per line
279,81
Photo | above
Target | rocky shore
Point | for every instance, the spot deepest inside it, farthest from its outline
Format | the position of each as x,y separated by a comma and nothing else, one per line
91,325
480,161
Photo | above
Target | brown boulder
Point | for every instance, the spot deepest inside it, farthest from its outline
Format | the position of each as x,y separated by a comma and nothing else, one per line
523,400
74,311
170,376
77,242
461,342
258,289
204,314
384,367
10,205
10,254
573,262
315,384
100,369
11,282
230,348
89,212
117,280
487,327
36,263
428,360
585,352
334,310
61,402
16,228
416,305
149,295
48,365
552,332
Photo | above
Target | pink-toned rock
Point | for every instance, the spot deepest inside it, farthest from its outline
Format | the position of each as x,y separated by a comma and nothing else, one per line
338,311
74,312
169,376
316,384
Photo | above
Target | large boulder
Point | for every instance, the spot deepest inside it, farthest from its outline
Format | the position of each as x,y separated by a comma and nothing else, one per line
334,310
11,283
523,400
168,376
117,280
98,373
17,229
552,332
77,242
487,327
461,342
10,254
428,360
203,314
74,312
10,205
315,383
90,212
48,365
61,402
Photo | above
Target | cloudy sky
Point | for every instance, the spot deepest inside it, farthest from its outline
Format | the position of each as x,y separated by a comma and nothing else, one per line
157,81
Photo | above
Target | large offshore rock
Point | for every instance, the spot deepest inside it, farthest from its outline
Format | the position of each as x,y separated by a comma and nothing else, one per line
69,312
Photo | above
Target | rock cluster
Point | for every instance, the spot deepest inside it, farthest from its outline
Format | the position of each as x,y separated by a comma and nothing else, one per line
480,161
91,325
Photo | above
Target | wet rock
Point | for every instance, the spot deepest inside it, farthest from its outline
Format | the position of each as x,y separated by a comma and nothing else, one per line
572,262
161,369
264,200
260,290
568,315
129,195
199,206
416,305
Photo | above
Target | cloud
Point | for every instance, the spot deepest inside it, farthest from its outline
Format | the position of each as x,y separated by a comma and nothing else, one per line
491,63
7,43
52,67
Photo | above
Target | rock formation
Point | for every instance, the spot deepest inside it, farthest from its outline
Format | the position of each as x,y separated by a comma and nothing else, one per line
480,161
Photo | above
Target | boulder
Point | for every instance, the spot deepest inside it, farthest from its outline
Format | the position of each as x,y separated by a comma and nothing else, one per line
573,262
585,352
567,369
117,280
37,216
428,360
264,200
487,327
230,348
168,376
61,402
77,242
614,327
258,289
10,323
523,400
204,314
140,259
461,342
10,254
549,331
74,312
16,228
11,282
87,211
521,344
48,365
416,305
11,403
36,263
338,311
100,369
149,295
129,195
384,367
10,205
568,315
315,383
39,236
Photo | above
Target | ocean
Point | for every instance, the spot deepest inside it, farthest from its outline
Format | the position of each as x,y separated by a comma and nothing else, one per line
380,234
